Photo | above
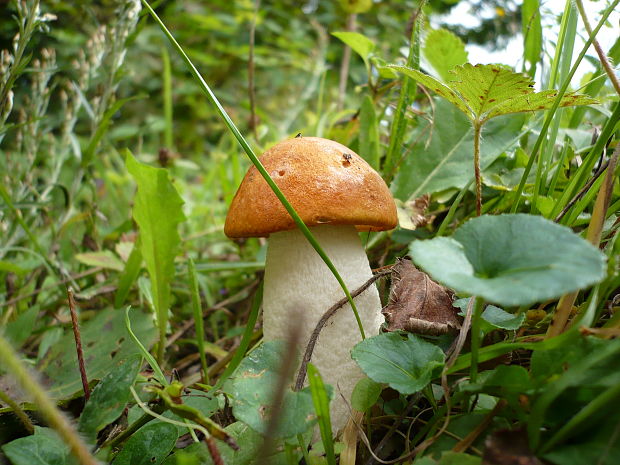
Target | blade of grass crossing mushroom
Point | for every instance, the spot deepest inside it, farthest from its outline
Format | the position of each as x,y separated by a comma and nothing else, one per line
320,399
255,161
556,104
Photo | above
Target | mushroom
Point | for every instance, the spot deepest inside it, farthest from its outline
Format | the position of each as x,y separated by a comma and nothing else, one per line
336,193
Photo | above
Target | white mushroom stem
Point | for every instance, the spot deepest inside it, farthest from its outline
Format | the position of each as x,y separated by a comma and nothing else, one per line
299,289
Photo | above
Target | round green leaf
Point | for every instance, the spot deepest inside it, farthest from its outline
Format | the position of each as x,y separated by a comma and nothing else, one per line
150,445
405,365
365,394
252,389
511,259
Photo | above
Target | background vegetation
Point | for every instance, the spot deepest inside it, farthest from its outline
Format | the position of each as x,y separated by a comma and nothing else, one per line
101,121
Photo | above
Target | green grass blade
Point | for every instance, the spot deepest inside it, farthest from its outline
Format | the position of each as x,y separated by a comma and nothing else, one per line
245,339
320,399
198,322
256,162
167,96
159,375
407,95
556,104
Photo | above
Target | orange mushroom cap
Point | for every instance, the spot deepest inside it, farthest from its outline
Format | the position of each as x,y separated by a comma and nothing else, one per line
324,181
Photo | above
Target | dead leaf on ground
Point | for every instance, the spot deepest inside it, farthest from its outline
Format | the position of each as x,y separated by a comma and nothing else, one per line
508,447
418,304
412,213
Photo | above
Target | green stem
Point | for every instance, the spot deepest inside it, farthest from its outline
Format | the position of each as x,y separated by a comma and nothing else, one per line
475,338
52,415
478,178
256,162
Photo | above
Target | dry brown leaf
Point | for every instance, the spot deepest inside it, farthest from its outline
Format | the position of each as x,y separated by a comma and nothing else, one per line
508,447
418,304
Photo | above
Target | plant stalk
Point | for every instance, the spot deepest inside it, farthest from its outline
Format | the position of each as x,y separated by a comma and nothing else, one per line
477,176
18,411
46,406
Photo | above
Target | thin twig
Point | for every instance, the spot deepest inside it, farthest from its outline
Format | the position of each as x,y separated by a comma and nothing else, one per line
78,343
301,376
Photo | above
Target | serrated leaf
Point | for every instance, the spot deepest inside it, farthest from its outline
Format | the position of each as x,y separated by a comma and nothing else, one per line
436,86
359,43
150,445
538,101
444,50
109,397
511,259
158,211
406,365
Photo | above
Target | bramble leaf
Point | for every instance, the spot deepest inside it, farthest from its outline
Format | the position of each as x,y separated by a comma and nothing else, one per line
444,50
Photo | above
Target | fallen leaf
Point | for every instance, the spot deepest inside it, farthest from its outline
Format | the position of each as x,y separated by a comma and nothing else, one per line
508,447
418,304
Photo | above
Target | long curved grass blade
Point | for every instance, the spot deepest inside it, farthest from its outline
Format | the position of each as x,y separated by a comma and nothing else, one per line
255,161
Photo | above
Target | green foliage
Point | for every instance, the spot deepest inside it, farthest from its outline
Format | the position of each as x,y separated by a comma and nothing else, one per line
444,51
110,396
44,447
81,84
405,365
320,399
158,212
252,389
511,259
444,161
150,445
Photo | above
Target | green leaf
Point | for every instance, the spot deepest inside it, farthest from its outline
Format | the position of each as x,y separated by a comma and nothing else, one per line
320,399
444,50
128,276
436,86
532,31
369,133
109,397
405,365
158,212
105,342
103,259
44,447
494,317
511,259
359,43
150,445
499,318
446,161
483,92
365,394
252,387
